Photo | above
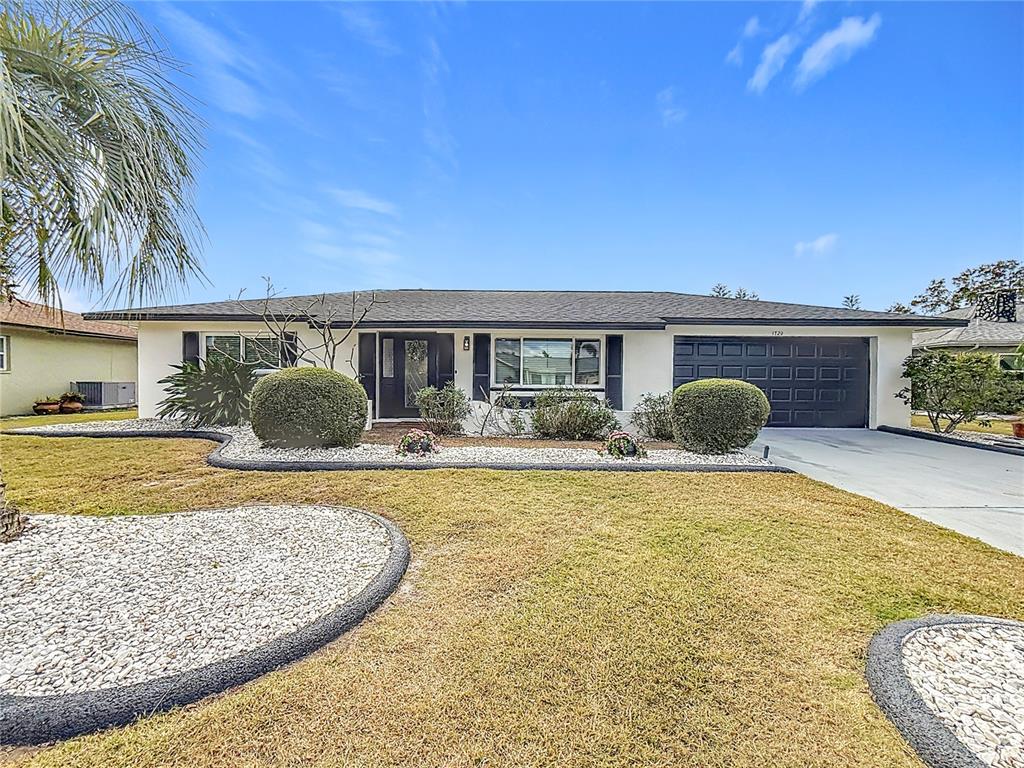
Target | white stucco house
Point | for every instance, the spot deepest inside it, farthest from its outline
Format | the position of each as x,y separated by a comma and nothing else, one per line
819,366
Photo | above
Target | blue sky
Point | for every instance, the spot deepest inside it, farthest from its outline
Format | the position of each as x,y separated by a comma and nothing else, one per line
802,151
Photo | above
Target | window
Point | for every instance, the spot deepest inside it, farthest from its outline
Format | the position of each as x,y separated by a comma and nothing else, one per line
548,362
261,350
1010,361
5,353
507,359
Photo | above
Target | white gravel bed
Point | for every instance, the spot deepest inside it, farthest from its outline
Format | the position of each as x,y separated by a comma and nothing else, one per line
972,677
245,446
90,603
973,437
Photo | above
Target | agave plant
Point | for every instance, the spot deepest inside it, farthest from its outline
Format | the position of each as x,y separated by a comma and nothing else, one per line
214,393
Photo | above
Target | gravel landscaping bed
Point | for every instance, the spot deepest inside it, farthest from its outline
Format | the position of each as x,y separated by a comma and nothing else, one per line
107,618
245,447
955,687
972,677
987,438
98,602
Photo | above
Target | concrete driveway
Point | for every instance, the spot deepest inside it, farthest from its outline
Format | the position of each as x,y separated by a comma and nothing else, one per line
978,493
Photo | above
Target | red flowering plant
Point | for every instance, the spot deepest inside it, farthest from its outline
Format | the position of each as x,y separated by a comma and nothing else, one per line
418,442
622,445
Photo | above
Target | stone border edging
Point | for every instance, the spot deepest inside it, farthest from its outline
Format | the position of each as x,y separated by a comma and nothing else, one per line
28,720
217,459
932,740
951,440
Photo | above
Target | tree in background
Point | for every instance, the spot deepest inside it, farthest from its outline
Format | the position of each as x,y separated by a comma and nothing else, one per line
97,157
722,291
852,301
967,288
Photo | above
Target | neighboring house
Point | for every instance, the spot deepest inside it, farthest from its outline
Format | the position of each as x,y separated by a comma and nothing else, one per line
995,326
819,366
43,351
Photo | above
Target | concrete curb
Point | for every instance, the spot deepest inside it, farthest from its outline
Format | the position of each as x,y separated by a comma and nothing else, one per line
951,440
217,459
28,720
892,691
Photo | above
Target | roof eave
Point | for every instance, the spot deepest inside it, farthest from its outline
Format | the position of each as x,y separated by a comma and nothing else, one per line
899,322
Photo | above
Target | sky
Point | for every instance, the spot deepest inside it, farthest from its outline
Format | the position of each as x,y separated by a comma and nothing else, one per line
804,151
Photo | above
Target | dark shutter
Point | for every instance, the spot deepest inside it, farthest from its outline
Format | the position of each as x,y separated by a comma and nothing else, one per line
368,363
613,371
289,349
190,347
481,366
445,358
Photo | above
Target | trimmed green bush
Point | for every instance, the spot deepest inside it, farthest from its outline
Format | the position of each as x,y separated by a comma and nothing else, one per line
718,415
572,414
652,416
443,410
308,407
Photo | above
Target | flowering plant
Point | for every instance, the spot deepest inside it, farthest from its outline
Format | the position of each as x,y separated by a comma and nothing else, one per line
417,442
622,445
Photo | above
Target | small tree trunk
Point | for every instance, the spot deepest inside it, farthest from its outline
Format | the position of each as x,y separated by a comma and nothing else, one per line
11,521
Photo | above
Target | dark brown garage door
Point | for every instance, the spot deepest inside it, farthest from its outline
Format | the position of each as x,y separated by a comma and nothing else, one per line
809,381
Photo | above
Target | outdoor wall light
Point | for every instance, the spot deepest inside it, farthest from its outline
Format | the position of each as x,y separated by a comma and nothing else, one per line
465,343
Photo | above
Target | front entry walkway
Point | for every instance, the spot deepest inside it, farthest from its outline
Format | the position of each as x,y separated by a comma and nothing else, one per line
978,493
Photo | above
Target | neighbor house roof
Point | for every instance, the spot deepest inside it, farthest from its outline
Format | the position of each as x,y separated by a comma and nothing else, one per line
26,314
978,332
533,309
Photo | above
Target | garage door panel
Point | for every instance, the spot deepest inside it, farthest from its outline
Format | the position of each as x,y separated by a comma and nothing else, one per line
809,381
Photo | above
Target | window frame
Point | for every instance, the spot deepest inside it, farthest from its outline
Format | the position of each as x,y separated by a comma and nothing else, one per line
204,347
5,353
573,341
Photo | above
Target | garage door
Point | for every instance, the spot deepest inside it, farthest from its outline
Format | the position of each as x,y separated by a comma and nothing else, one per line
809,381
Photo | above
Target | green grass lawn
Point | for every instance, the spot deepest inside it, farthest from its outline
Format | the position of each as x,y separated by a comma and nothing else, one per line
555,618
20,422
994,428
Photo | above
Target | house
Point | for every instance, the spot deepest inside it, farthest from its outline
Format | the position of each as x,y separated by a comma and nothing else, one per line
995,325
819,366
46,352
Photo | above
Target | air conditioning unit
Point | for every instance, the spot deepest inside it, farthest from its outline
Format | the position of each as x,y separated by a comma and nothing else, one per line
106,394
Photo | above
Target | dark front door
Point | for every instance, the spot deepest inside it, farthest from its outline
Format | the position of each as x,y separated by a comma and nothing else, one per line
408,363
809,381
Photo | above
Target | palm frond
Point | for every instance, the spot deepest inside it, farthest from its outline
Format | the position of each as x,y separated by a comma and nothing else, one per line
98,150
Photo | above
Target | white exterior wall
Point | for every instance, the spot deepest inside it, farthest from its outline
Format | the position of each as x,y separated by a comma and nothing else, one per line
647,356
160,348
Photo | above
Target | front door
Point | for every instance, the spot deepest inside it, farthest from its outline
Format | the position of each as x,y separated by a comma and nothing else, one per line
408,363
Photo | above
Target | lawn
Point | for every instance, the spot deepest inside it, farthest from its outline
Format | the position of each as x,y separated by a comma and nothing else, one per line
21,422
584,619
994,428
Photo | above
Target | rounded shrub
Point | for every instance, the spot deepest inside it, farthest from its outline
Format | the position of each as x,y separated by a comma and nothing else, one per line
308,407
718,415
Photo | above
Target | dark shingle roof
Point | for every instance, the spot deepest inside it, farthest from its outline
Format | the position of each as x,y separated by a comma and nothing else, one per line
538,309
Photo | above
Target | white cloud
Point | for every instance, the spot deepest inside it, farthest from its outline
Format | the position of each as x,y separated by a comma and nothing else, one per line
363,23
671,113
437,136
806,8
233,77
835,47
751,29
773,59
820,246
359,200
